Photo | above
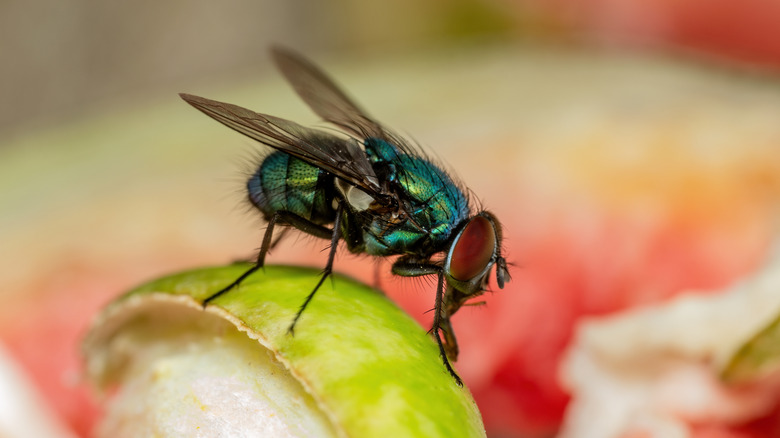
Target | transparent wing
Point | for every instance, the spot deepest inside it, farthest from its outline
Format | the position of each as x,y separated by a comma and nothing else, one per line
323,96
342,157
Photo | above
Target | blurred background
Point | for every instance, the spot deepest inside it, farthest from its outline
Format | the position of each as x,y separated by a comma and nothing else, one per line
629,148
64,61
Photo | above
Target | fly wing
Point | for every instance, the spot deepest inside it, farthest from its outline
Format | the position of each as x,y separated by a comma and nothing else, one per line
323,96
342,157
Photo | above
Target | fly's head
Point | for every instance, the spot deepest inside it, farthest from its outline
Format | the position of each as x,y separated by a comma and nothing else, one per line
474,251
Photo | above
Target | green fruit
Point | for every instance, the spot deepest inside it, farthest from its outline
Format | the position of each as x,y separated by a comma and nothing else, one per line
357,365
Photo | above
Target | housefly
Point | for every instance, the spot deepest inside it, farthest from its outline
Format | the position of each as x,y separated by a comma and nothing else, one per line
368,187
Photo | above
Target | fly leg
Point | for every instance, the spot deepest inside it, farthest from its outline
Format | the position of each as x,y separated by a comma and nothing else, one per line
441,322
283,217
334,241
269,231
279,238
275,242
451,343
451,302
437,321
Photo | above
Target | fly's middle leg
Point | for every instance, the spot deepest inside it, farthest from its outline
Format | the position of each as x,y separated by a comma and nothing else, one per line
334,241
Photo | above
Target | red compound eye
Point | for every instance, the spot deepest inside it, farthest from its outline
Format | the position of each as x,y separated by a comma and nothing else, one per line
473,249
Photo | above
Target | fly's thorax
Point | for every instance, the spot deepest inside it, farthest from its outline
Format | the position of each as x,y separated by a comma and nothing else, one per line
430,204
380,151
357,204
398,233
399,241
285,183
357,200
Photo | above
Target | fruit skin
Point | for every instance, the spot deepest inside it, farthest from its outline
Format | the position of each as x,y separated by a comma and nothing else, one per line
368,365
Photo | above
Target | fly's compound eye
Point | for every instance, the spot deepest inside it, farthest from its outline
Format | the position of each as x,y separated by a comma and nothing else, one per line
472,253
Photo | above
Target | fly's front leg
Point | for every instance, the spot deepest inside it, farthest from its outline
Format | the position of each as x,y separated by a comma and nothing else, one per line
335,235
451,302
441,322
283,217
451,343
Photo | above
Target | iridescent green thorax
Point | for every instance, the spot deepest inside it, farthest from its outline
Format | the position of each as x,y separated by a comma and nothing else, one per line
285,183
436,203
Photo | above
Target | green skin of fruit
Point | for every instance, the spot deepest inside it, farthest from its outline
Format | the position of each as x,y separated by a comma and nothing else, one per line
371,368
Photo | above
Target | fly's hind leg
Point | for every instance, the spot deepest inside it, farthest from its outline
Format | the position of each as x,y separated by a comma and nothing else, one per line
279,237
282,217
269,231
441,322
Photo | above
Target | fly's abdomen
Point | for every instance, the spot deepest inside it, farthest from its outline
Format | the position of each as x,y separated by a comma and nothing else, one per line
285,183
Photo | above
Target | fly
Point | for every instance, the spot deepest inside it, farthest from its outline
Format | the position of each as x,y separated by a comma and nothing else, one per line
370,188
